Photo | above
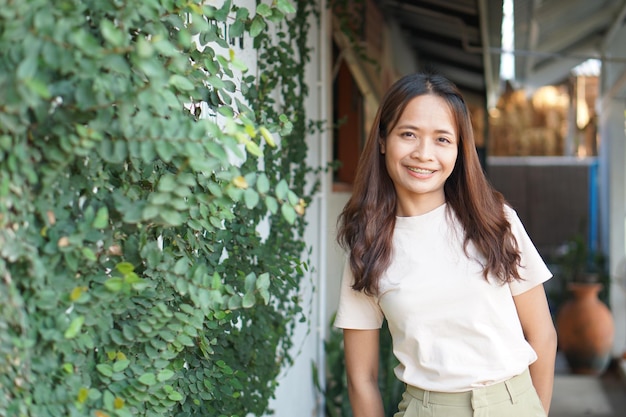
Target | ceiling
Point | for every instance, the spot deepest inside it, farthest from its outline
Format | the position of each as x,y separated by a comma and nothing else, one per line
462,38
454,37
554,36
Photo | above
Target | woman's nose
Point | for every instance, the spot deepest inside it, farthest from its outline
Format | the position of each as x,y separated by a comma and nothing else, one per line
422,149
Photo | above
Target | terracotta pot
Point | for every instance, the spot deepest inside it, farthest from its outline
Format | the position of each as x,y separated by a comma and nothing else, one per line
585,330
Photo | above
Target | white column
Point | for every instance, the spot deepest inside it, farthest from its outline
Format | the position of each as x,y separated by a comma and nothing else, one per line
296,394
612,172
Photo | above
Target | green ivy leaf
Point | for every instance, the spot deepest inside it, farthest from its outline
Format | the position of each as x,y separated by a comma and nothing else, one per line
282,189
185,340
254,149
182,286
89,254
216,281
263,10
285,6
181,82
250,281
216,82
292,198
150,212
248,300
263,184
175,396
234,302
120,365
236,29
164,375
265,295
226,111
144,48
74,328
257,26
234,193
38,87
251,198
271,204
114,284
288,213
111,33
28,67
263,281
165,150
171,217
105,369
132,278
239,64
125,267
181,267
148,379
102,218
167,183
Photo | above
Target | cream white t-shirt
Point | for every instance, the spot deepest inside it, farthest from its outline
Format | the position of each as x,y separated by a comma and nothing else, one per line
452,330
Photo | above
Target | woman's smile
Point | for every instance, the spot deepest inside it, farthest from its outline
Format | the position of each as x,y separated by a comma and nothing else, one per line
420,171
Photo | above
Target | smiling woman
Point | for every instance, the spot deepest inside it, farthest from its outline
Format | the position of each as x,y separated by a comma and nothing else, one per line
438,253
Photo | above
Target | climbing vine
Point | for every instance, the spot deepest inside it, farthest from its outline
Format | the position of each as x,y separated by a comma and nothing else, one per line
152,199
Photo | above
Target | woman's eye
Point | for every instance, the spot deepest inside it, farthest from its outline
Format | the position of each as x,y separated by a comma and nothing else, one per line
445,140
407,134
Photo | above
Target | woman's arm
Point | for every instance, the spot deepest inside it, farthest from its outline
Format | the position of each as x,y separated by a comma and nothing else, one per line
534,314
361,350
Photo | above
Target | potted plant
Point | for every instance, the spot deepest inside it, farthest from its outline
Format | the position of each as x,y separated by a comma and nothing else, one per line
584,322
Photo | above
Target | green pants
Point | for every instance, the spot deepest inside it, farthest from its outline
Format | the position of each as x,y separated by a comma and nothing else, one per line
513,398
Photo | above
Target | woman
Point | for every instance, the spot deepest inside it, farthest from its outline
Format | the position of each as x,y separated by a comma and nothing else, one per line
435,251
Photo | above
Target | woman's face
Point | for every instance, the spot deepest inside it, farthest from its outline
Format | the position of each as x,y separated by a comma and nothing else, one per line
420,153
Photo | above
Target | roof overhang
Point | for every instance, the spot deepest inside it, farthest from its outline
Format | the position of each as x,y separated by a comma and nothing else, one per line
456,38
552,37
462,38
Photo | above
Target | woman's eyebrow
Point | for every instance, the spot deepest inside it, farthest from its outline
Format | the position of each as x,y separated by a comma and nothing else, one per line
413,127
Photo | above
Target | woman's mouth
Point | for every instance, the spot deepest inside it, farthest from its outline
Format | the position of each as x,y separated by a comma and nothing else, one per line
420,170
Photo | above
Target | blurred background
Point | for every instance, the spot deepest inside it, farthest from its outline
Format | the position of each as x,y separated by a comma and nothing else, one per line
545,81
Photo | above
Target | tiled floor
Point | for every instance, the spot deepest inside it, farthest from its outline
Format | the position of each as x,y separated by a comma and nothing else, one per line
584,396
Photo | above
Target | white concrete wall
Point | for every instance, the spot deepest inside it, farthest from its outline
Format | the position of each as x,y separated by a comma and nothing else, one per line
296,394
613,180
611,175
335,256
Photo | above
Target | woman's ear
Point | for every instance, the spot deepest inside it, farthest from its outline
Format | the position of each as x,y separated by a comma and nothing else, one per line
382,146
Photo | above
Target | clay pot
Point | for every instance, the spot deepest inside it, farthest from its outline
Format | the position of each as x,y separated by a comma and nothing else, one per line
585,330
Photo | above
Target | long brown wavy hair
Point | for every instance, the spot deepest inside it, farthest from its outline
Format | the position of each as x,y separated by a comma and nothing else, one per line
366,224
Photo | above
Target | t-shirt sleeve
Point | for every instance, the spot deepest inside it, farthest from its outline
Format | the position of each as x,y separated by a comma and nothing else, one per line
356,309
533,269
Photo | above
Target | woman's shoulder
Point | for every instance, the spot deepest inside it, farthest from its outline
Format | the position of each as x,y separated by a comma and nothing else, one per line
509,212
516,223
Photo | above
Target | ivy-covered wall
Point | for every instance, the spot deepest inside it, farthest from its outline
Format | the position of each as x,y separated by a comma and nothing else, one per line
134,280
